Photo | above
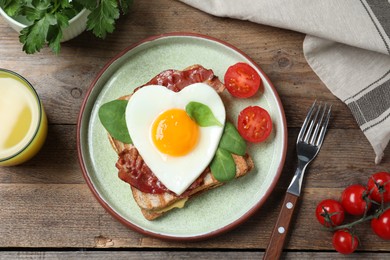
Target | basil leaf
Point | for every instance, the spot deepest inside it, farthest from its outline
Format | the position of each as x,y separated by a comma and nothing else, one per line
232,141
112,117
223,166
202,114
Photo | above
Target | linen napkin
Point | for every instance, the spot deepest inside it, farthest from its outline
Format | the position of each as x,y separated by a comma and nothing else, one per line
347,45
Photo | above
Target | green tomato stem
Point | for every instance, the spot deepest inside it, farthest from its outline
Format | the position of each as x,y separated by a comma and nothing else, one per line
361,220
56,6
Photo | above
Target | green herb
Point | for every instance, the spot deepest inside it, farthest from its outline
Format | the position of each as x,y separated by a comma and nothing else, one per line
102,19
232,141
202,114
112,117
12,7
49,18
223,166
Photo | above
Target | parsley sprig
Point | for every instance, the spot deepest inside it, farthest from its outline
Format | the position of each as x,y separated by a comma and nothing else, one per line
48,18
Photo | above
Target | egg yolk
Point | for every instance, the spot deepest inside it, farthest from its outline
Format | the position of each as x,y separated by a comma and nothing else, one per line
175,133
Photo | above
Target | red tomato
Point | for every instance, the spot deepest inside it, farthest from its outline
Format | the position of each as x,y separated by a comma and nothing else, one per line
330,213
379,185
254,124
242,81
344,242
381,225
355,200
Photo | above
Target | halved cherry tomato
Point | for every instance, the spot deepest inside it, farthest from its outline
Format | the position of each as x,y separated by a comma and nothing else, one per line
379,186
381,225
242,81
344,242
330,213
254,124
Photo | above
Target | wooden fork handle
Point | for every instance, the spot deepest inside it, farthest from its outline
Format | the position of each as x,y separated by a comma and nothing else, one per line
279,233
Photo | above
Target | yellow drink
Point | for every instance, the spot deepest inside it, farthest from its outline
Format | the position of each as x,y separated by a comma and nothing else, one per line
23,122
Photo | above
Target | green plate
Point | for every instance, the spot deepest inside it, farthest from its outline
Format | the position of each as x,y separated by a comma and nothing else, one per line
210,213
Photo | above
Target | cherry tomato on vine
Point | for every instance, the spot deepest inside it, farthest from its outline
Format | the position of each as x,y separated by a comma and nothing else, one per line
344,242
379,185
254,124
381,225
355,199
330,213
242,81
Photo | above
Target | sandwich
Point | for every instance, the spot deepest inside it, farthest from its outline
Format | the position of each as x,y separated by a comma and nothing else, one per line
156,194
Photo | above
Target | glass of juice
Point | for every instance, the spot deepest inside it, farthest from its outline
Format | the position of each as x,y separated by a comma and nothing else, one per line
23,122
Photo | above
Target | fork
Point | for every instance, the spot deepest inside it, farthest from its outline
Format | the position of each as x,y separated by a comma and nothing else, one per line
309,142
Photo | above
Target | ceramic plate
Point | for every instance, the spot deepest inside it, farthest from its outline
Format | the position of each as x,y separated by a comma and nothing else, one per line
210,213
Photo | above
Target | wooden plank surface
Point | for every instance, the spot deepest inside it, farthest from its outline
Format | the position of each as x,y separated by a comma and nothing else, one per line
173,255
45,203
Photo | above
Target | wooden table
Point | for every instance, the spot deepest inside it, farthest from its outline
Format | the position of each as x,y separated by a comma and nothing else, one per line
48,211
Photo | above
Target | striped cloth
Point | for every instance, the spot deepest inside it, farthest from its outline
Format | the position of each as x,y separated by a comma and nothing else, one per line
347,44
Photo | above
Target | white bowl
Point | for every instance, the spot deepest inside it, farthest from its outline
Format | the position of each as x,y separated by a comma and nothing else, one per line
77,24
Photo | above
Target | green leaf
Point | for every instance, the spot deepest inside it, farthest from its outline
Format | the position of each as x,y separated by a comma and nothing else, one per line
102,19
34,36
112,117
54,35
12,7
32,13
64,4
62,21
202,114
71,9
39,10
223,166
69,13
232,141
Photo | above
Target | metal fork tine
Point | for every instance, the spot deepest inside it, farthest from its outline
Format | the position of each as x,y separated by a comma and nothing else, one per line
323,128
312,122
304,125
318,125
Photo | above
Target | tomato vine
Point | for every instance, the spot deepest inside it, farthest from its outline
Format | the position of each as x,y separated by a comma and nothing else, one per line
370,202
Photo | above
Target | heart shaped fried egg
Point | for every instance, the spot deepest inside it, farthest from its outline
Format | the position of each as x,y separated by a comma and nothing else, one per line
174,146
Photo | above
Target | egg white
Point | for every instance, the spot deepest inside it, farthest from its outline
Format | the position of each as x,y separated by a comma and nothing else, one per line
176,173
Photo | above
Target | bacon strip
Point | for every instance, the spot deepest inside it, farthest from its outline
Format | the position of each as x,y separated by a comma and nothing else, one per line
176,80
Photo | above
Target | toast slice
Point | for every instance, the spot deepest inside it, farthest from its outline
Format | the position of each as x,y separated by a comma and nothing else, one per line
154,205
